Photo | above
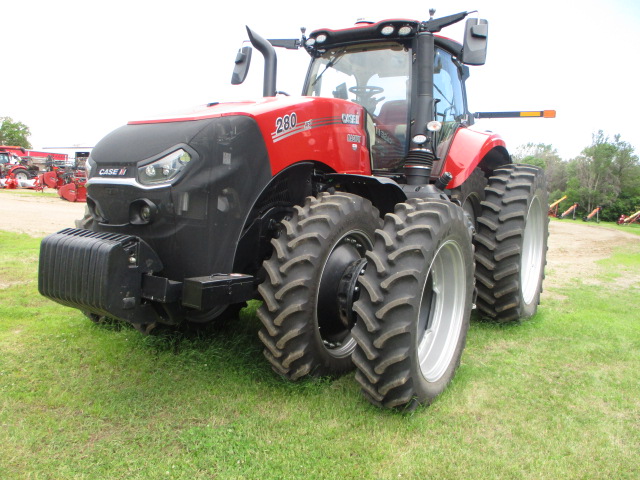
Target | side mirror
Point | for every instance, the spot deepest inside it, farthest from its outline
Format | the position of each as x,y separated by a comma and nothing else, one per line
474,50
243,60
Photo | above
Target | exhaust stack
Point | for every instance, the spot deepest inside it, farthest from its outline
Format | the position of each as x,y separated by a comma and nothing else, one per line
270,62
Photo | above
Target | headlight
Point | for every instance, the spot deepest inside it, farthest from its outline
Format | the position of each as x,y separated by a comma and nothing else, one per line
164,169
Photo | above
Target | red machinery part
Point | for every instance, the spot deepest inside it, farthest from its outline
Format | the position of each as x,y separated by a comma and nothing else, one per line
73,192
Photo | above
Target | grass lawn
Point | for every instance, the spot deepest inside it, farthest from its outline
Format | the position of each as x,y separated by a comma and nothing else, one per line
632,228
556,397
26,191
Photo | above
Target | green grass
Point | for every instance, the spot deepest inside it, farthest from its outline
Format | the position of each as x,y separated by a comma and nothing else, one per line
633,228
556,397
26,191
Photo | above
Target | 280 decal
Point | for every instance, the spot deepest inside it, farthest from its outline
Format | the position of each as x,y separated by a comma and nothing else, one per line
286,123
289,125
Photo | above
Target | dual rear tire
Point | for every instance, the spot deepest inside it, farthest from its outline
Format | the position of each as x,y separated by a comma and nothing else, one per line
414,309
395,300
511,243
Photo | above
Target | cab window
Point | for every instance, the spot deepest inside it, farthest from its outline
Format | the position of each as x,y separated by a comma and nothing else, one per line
450,108
447,86
378,78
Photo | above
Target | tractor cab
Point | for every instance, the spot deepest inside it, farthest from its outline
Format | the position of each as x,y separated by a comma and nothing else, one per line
409,81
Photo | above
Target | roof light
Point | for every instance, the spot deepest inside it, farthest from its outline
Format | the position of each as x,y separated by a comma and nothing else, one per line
321,38
434,126
405,30
387,30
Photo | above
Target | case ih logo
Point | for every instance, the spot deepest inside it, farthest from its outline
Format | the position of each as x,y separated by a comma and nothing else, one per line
351,119
112,172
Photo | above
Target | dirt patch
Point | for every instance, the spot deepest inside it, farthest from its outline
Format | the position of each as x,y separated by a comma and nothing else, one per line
573,248
37,215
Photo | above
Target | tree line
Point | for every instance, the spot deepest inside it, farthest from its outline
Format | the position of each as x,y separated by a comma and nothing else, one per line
605,174
14,133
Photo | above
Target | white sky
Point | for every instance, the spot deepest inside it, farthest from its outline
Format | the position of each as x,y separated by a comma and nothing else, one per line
75,70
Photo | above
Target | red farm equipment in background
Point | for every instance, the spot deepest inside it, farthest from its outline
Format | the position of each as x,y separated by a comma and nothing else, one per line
23,164
569,211
628,220
69,183
22,168
594,213
553,208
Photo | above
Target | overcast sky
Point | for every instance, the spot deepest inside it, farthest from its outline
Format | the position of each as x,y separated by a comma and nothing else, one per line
75,70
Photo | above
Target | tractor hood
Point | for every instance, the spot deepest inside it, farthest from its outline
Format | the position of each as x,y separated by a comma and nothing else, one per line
215,109
181,186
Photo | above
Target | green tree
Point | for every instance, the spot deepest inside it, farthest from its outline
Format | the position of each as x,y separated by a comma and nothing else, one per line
14,133
607,174
593,169
546,157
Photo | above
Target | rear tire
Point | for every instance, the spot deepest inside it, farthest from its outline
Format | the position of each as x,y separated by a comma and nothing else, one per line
21,174
470,195
307,331
415,304
511,244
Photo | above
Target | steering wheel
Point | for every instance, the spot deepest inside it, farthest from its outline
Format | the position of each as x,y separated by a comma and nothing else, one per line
367,90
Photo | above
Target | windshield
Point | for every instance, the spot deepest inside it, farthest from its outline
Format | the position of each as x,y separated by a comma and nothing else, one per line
376,77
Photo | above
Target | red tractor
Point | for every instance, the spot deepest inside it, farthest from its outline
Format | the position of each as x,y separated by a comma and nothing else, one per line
352,211
12,166
24,165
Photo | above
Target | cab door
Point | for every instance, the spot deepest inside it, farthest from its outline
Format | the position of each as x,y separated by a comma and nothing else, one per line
449,102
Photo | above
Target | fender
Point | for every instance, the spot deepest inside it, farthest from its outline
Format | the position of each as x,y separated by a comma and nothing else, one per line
471,148
384,193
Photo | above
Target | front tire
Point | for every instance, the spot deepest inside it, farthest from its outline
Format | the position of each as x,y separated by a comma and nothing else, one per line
415,304
310,284
511,244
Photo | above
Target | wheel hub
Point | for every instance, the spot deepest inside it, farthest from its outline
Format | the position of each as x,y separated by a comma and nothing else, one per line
338,290
348,291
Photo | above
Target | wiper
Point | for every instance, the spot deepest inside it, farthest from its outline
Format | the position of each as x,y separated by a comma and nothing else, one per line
331,63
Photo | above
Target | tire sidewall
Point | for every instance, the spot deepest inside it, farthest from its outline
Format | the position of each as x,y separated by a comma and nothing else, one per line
539,193
458,233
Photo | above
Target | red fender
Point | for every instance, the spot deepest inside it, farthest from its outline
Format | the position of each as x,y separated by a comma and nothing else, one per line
467,150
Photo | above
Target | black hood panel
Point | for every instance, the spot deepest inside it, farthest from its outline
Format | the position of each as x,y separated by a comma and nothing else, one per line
200,215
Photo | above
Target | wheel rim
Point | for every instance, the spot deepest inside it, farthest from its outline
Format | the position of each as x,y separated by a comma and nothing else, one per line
21,176
441,311
335,336
532,251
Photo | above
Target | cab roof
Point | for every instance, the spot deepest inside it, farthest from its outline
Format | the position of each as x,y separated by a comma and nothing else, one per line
399,30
